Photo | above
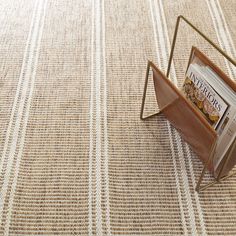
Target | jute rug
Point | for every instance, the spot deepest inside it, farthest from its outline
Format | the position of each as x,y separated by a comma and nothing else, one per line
75,157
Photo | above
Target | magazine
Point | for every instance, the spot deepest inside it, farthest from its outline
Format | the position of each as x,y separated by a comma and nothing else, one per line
216,101
227,128
196,88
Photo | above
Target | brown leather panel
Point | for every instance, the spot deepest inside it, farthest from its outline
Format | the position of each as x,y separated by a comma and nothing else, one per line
183,116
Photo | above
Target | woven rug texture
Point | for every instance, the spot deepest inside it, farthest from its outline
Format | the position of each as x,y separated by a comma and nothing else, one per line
75,159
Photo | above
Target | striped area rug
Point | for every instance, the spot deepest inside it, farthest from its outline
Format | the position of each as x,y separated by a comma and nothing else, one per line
75,158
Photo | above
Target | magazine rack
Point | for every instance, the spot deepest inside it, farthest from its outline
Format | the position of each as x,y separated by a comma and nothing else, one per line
186,118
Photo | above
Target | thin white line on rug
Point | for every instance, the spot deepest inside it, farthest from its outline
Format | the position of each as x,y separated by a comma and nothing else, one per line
31,73
19,117
106,143
169,132
154,30
164,48
168,47
228,35
161,19
173,73
98,65
160,34
185,177
222,32
19,86
177,180
90,190
195,192
186,188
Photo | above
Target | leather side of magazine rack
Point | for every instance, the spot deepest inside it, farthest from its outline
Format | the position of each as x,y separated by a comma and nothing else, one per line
183,116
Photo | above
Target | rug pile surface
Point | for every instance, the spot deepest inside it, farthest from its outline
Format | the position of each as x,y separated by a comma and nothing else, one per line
75,159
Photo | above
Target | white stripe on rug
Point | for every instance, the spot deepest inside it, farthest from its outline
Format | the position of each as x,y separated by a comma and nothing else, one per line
169,129
173,73
199,209
183,165
160,18
163,47
98,79
154,30
232,51
106,143
186,188
223,34
177,181
189,157
27,51
90,190
98,154
22,79
30,74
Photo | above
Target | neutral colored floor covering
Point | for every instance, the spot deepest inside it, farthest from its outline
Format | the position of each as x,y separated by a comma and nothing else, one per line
75,157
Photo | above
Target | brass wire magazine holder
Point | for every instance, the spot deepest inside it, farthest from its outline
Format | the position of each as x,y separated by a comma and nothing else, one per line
185,118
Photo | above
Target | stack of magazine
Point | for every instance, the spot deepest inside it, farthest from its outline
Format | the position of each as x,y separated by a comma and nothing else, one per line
216,101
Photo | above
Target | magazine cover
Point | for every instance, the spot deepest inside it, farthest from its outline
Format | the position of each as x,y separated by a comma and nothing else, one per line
203,96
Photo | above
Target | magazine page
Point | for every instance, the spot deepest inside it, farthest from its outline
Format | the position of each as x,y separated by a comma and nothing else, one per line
225,140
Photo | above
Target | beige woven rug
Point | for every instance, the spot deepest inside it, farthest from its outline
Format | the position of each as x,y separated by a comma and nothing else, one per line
75,157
